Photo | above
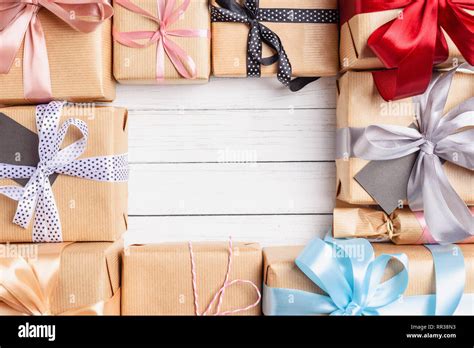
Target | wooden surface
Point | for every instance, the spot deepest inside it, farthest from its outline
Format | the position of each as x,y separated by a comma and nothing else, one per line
240,157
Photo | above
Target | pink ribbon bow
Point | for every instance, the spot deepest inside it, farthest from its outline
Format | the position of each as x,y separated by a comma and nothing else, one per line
183,63
19,20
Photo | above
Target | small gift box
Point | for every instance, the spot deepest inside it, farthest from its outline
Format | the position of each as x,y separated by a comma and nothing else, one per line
60,279
164,41
405,37
410,151
275,37
403,226
353,277
192,279
63,173
55,51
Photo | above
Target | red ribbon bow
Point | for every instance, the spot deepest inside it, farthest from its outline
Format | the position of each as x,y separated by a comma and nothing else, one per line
411,44
19,20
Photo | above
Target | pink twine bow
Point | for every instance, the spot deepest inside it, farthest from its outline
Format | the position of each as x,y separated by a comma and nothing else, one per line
183,63
19,20
219,295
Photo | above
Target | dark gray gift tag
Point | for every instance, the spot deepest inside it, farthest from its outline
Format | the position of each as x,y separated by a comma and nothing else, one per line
18,146
387,181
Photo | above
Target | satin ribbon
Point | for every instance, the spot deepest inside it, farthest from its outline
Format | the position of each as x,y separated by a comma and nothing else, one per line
351,276
412,43
162,37
37,197
251,14
19,20
27,285
439,138
218,297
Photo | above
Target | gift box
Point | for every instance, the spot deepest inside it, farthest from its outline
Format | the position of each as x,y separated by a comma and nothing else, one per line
403,226
399,36
189,279
68,57
60,279
72,160
390,279
380,150
164,47
307,30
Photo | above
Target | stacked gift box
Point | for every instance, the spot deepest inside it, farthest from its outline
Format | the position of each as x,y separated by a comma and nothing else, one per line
404,157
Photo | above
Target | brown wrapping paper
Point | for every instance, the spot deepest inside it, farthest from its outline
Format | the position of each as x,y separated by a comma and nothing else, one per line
400,227
89,210
138,65
354,51
80,64
89,273
311,48
280,270
157,279
360,105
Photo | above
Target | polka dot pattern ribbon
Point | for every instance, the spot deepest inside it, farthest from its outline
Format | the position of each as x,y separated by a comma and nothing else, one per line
37,197
251,14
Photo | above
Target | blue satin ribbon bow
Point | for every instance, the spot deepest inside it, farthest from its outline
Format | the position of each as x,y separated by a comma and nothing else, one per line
351,276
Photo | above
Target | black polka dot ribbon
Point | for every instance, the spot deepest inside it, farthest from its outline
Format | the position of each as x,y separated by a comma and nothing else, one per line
251,14
37,198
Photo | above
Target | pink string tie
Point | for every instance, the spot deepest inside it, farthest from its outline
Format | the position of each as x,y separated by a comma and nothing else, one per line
219,295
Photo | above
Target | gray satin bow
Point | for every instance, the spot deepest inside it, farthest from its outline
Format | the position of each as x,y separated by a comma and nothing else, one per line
450,138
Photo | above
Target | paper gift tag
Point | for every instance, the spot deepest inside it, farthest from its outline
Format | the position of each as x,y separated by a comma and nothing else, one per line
19,146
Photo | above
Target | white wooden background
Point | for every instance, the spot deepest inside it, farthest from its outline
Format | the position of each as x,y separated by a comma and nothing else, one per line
240,157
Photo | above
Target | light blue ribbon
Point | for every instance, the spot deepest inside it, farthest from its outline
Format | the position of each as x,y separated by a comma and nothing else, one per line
351,276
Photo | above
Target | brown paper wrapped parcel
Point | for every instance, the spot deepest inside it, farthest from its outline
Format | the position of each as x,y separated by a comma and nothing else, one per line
60,279
80,64
139,65
312,48
88,210
360,105
400,227
157,278
280,270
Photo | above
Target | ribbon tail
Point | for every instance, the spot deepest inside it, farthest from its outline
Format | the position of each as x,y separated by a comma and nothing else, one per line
47,225
183,62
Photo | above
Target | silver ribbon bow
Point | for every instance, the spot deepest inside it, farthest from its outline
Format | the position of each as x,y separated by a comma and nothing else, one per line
37,198
440,137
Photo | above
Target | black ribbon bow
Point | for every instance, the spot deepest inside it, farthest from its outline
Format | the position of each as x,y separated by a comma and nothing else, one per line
251,14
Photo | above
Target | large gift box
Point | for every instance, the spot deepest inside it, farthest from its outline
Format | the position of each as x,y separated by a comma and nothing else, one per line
403,226
363,279
303,33
407,37
63,173
382,149
60,279
66,53
192,279
165,41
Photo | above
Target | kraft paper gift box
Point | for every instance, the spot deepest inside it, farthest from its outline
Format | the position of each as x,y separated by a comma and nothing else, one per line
401,227
281,272
89,210
157,278
312,48
360,105
355,54
80,63
134,65
60,278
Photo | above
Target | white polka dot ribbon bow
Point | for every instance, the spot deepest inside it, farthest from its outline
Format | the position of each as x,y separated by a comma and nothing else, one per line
250,13
37,198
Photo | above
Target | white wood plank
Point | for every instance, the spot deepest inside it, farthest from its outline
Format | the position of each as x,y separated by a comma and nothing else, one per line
232,188
222,93
232,136
267,230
